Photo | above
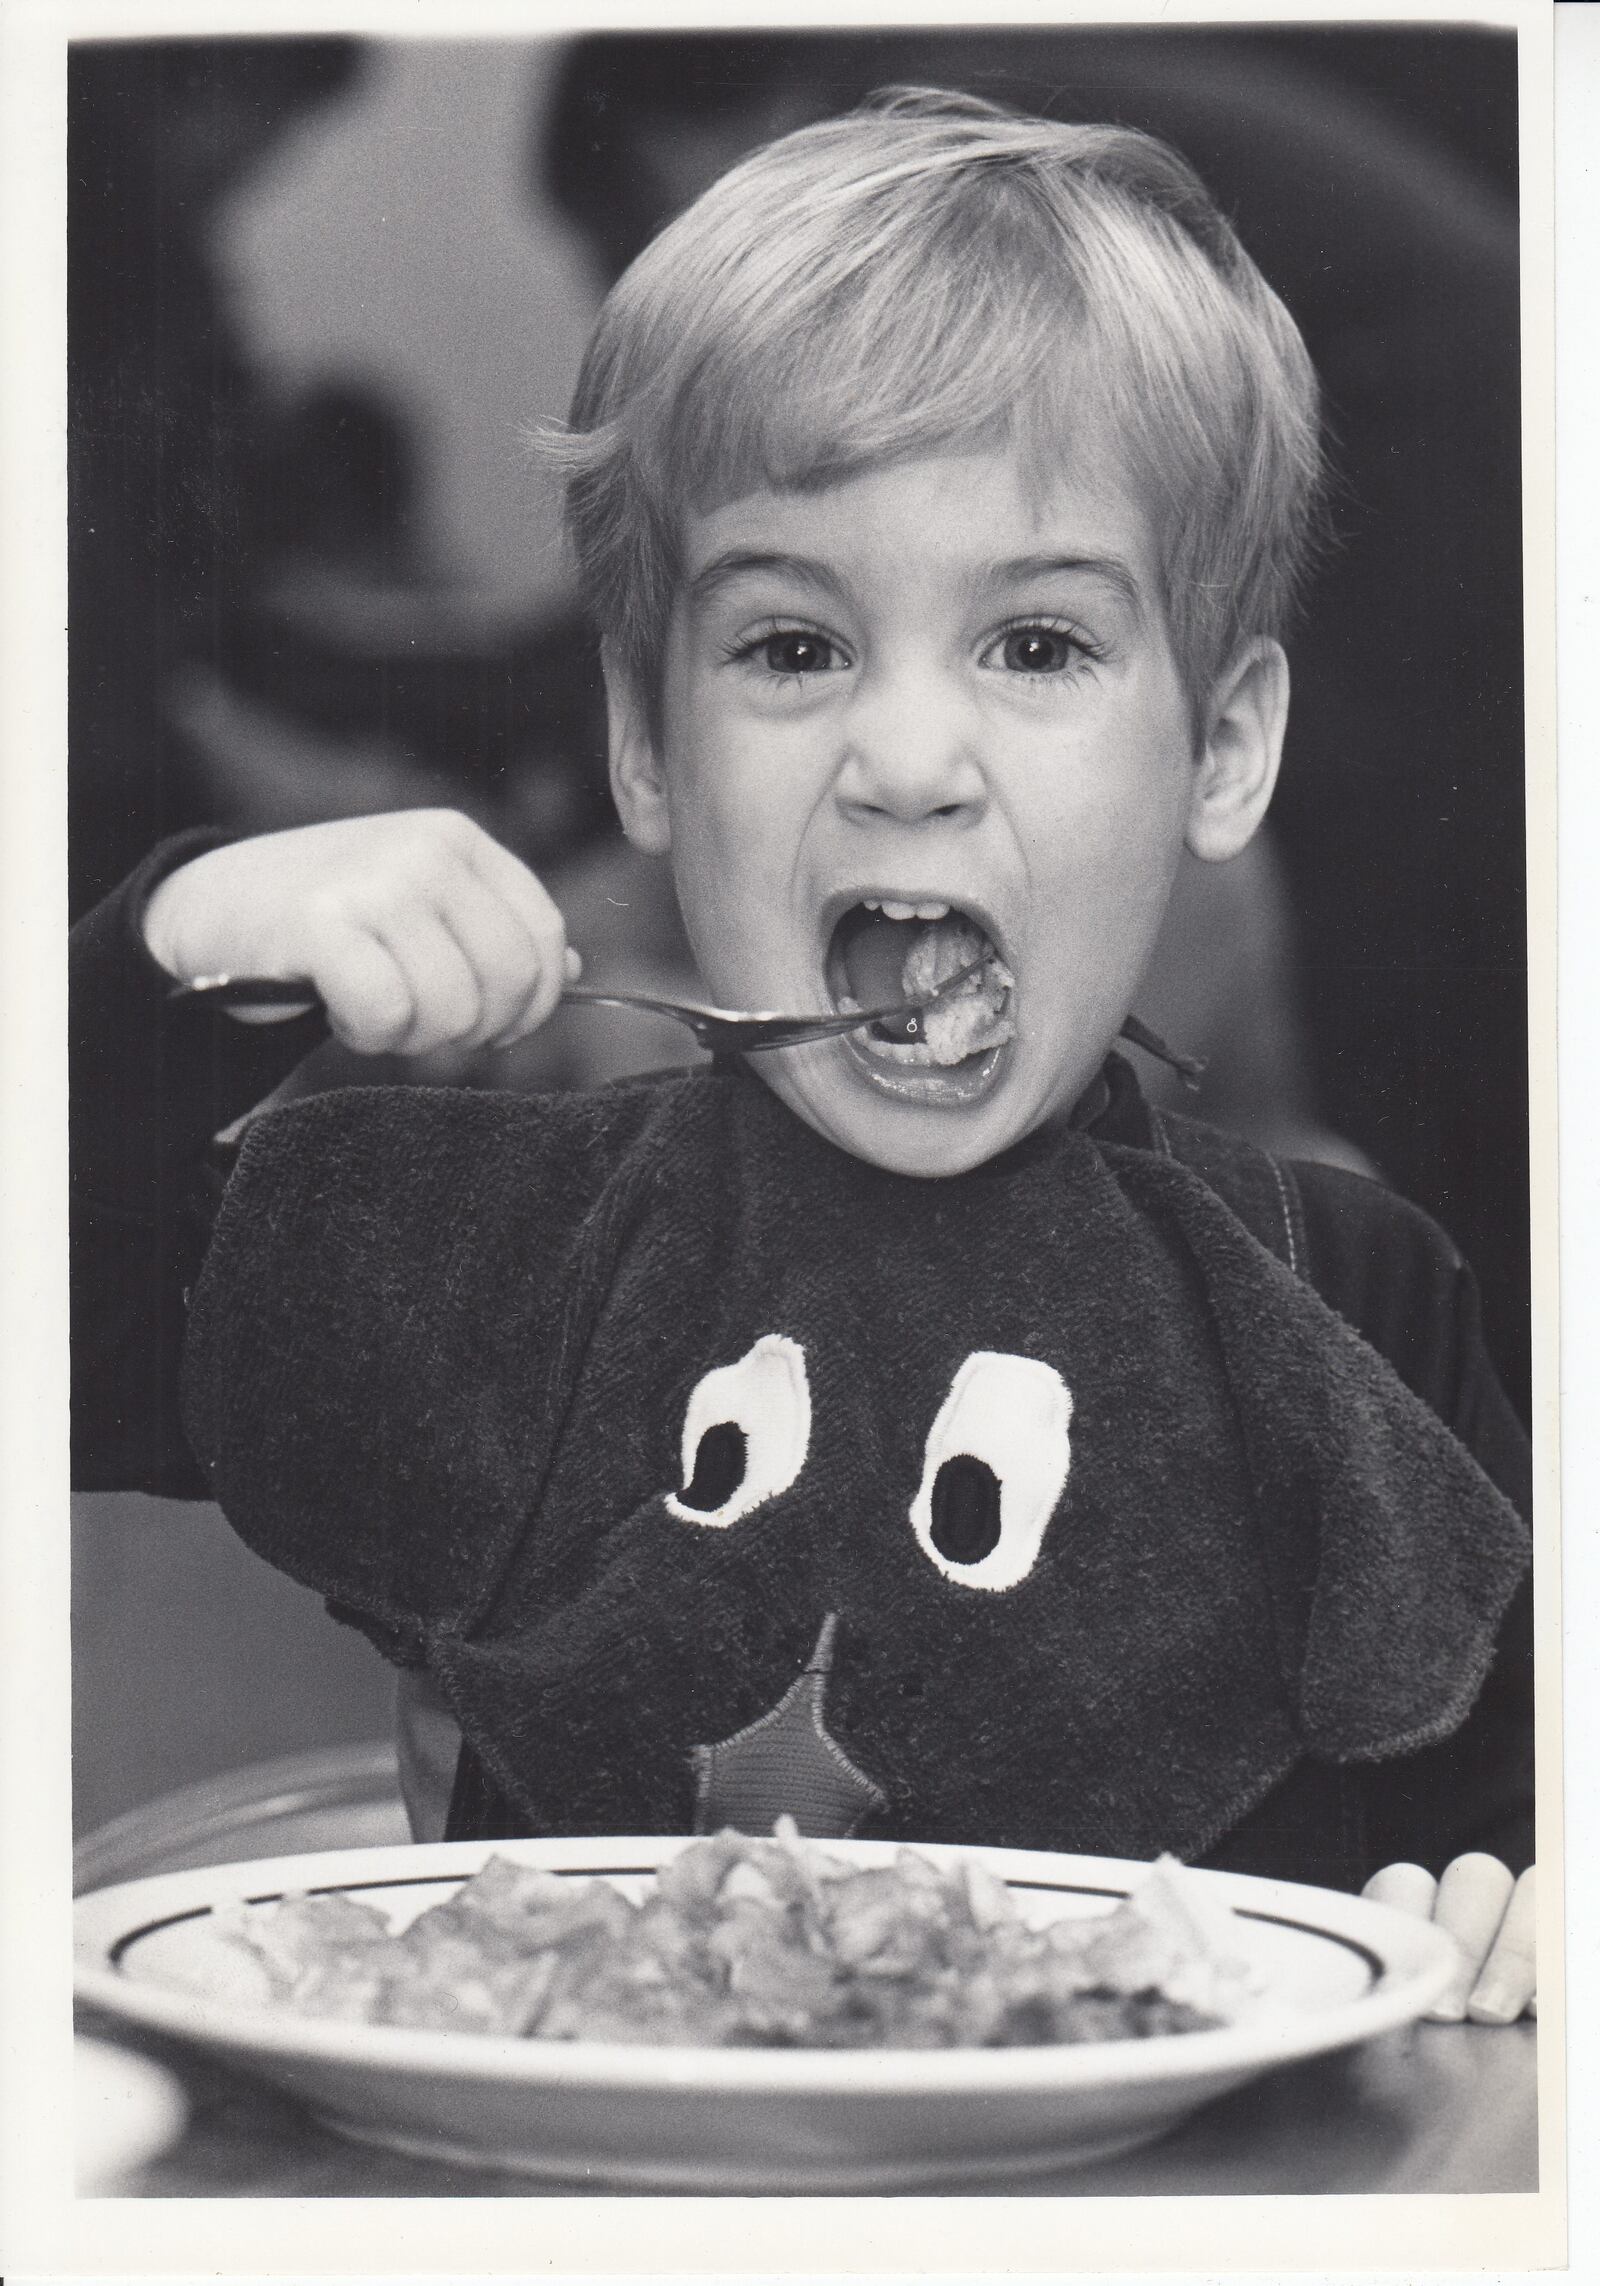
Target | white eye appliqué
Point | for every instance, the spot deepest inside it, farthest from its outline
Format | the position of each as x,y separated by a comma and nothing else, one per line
997,1461
745,1433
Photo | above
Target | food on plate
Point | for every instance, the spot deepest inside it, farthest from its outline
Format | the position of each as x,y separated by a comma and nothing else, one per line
746,1943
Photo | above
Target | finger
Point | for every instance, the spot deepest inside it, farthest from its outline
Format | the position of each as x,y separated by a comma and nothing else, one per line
1473,1894
555,964
517,883
1407,1888
507,964
1506,1986
363,988
528,898
539,1005
446,1002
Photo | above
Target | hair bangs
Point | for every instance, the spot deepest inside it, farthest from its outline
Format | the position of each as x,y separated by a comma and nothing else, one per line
937,275
909,371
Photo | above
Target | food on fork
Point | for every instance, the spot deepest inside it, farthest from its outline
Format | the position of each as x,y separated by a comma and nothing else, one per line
887,949
747,1943
974,1015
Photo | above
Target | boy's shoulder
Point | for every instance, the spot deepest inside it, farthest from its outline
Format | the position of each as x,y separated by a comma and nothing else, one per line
389,1168
396,1184
1383,1265
417,1137
1331,1225
1395,1275
1306,1210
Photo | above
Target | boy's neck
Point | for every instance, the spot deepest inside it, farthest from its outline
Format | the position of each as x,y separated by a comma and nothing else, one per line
1112,1105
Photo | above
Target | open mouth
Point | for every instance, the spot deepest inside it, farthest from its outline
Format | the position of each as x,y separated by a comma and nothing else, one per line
886,949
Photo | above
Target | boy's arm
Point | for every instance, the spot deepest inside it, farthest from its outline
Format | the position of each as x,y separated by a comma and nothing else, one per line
1450,1827
152,1081
1396,1277
417,931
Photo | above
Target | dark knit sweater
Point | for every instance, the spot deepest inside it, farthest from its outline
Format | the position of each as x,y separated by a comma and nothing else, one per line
1039,1506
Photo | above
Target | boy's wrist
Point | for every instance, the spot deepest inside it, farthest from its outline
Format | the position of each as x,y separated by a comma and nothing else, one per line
153,1079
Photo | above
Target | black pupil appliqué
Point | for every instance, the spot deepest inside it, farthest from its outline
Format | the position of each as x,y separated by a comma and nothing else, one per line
719,1465
965,1521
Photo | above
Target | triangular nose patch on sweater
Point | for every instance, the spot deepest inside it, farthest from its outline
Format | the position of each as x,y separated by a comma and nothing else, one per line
786,1763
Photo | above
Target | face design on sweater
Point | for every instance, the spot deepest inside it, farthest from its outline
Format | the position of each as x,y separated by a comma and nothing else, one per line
994,1466
924,716
918,1510
960,1522
889,1569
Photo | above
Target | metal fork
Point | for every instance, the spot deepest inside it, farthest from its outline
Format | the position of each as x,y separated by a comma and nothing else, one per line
722,1031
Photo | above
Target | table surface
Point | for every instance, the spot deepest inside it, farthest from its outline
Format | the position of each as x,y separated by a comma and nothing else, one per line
1440,2107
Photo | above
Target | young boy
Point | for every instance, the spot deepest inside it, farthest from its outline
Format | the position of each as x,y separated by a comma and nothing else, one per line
909,1431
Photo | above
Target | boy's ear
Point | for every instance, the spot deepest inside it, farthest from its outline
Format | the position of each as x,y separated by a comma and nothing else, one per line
1239,755
638,786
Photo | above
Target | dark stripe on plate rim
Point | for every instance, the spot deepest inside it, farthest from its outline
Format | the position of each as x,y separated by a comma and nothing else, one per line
1372,1961
130,1937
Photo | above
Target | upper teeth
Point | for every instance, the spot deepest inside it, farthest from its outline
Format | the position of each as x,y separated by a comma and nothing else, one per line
896,909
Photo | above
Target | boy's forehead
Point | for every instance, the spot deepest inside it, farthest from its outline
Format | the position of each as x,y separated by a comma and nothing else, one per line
983,518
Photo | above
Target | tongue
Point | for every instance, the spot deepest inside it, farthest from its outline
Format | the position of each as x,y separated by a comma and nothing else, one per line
875,959
888,960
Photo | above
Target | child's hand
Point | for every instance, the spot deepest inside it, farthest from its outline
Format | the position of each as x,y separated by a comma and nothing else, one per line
417,929
1491,1918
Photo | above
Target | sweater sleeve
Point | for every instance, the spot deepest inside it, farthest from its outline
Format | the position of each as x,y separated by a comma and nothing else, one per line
152,1082
1398,1279
398,1291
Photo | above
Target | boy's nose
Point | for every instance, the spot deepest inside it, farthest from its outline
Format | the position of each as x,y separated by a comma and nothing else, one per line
908,760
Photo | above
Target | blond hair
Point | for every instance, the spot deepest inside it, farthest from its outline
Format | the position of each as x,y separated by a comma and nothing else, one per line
931,273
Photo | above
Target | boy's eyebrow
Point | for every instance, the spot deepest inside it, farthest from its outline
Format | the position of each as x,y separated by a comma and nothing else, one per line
1110,569
736,563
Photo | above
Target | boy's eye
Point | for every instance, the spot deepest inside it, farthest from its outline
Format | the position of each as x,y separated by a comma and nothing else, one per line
794,651
798,654
1039,650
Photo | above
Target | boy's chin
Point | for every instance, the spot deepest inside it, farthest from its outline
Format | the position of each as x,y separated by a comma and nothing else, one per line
915,1123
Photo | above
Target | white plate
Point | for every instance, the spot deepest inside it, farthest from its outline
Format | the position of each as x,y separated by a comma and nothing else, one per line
1334,1970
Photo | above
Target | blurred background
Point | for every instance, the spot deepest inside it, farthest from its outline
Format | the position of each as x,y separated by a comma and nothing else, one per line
321,294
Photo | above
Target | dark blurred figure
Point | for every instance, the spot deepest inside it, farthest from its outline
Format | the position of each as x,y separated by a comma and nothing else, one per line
1372,173
177,488
258,637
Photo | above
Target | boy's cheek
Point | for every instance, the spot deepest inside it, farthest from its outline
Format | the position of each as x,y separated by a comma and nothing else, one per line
733,870
728,893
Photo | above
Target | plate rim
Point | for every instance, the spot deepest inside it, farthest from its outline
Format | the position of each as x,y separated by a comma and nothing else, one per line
1413,1962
